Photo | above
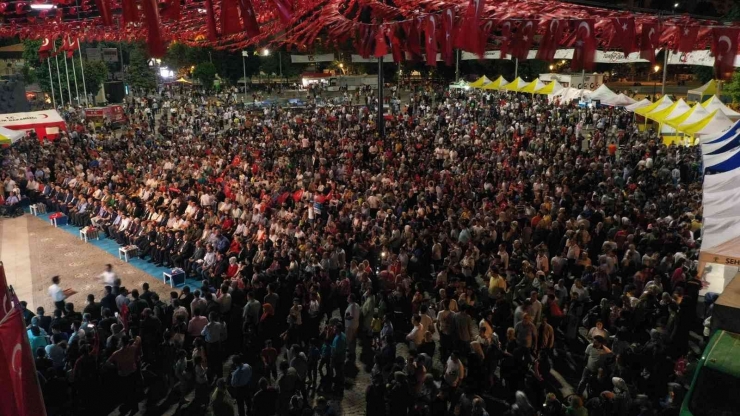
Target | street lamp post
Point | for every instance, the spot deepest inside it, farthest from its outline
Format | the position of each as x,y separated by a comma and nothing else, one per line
656,68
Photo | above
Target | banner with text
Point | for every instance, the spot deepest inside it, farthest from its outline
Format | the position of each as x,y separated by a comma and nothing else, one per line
602,57
309,59
358,59
699,58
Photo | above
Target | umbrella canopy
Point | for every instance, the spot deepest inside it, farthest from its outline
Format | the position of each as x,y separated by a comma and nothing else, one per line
620,100
551,88
480,82
696,113
495,85
714,103
8,136
664,102
515,85
533,86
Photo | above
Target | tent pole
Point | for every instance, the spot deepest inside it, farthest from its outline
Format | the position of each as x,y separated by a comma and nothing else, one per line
51,82
516,68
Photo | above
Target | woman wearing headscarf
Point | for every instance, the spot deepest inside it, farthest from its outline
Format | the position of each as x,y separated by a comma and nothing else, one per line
619,397
521,406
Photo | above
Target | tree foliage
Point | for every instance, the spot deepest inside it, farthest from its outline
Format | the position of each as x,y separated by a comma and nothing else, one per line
138,74
205,72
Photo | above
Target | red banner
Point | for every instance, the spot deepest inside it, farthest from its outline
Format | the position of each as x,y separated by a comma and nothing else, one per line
687,38
430,33
624,34
584,49
524,39
20,389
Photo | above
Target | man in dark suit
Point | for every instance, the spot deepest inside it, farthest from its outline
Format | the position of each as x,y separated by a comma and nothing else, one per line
182,252
198,254
168,245
172,251
109,300
156,248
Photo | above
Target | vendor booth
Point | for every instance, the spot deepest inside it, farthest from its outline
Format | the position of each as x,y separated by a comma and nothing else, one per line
45,123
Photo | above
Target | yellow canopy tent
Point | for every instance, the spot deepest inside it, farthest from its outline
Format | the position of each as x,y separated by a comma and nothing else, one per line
478,83
182,80
696,113
696,94
495,85
673,110
533,86
715,122
551,88
664,102
515,85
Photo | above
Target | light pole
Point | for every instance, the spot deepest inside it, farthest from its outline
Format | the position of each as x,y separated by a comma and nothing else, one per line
656,68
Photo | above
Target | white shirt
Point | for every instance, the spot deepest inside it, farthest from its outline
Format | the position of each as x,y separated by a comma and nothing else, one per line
353,310
108,277
56,293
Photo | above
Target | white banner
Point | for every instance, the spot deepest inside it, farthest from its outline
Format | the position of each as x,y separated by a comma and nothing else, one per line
245,54
360,60
308,59
602,57
700,58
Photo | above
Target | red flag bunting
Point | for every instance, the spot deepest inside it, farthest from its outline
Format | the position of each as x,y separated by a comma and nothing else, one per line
687,39
72,47
130,11
210,21
381,47
468,36
5,304
20,390
485,32
724,49
172,11
551,40
104,11
447,40
249,20
396,48
285,10
649,41
411,31
364,41
230,17
624,34
431,40
155,43
584,49
523,39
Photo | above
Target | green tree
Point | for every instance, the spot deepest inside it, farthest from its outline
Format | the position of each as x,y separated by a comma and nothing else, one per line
703,73
205,72
96,72
732,88
138,74
277,62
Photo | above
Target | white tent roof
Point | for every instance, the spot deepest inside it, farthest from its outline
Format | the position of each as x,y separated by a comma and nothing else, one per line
715,103
13,135
619,100
642,103
568,94
30,118
602,93
719,124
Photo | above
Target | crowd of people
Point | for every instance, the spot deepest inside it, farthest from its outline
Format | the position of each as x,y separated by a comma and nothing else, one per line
484,236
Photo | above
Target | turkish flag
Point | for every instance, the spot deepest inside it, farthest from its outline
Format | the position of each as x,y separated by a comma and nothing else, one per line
624,34
104,10
230,17
210,21
297,195
411,31
130,11
431,40
20,389
649,41
381,46
584,48
485,32
551,40
72,47
468,37
171,11
724,49
447,40
249,20
44,52
155,43
523,39
506,36
687,38
365,41
285,10
396,48
5,303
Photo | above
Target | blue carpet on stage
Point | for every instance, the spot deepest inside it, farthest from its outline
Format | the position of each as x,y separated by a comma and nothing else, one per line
112,247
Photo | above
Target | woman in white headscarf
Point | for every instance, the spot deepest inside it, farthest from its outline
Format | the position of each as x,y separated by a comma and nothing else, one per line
620,397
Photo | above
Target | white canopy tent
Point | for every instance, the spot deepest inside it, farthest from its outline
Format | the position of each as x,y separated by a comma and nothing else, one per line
567,95
642,103
601,94
714,103
619,100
